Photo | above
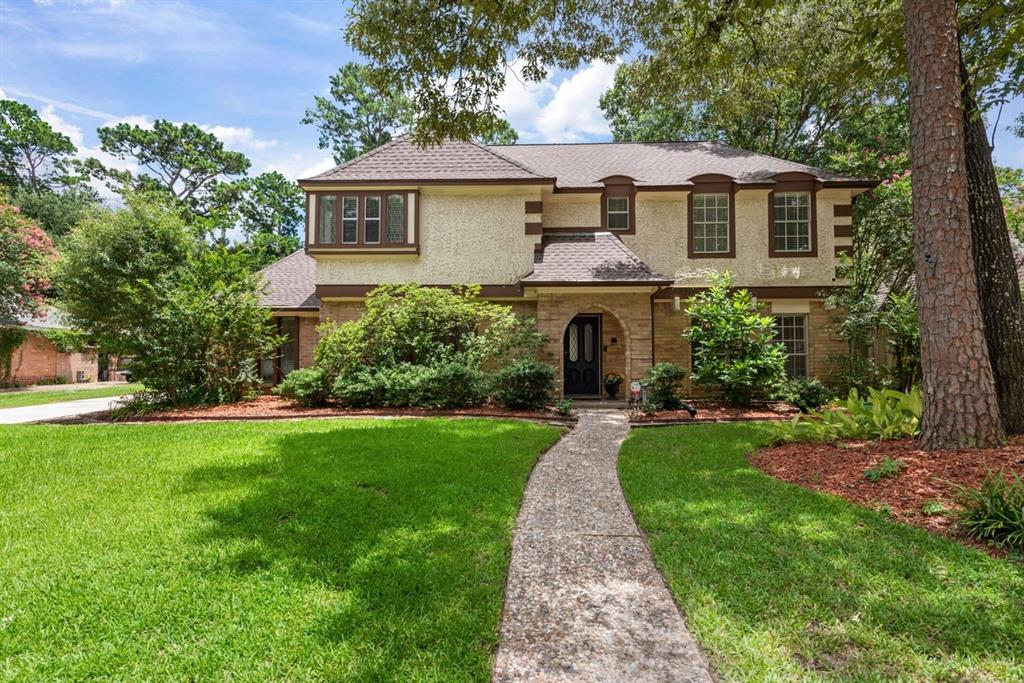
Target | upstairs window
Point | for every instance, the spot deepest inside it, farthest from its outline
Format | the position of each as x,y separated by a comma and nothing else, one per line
618,213
327,210
396,218
371,219
350,219
792,216
711,223
791,332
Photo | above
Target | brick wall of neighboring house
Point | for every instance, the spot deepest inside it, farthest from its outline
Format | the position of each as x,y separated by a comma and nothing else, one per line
628,315
340,311
37,359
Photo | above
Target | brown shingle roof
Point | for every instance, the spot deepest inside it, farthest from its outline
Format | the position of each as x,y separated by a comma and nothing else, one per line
402,159
653,163
589,257
291,282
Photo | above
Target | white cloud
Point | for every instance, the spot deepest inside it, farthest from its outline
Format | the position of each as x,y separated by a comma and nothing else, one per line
3,95
233,136
297,166
49,114
141,121
562,110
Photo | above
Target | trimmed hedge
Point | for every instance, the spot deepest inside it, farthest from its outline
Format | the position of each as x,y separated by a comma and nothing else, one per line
523,385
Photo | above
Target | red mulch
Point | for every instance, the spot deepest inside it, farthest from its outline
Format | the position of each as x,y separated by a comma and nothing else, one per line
275,408
929,475
712,411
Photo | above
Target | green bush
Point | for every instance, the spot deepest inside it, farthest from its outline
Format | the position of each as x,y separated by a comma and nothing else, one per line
885,414
306,386
564,406
663,382
733,345
451,385
889,468
806,393
994,512
523,385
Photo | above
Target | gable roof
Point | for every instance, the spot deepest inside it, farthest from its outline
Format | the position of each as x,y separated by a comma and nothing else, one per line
403,160
290,282
568,165
589,257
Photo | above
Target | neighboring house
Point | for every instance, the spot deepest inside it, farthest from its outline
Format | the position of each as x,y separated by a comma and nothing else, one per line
602,243
39,360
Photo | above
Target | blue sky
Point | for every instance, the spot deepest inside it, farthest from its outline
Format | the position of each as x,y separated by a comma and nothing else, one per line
247,70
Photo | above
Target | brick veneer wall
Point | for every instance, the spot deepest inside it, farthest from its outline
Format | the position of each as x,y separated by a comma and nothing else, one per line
823,343
308,338
629,315
37,359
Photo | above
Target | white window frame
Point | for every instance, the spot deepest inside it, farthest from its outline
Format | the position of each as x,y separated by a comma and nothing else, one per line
702,224
617,212
785,225
781,325
346,220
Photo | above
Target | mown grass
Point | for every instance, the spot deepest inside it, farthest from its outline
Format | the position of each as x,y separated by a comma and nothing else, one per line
783,584
312,550
18,399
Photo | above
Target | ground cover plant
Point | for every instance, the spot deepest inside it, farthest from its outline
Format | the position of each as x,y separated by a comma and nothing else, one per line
781,583
17,399
312,550
882,414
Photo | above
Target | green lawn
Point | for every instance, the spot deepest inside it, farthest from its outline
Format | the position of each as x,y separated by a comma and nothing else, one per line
783,584
308,550
17,399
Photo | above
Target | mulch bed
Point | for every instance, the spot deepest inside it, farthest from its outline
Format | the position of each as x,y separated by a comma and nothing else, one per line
713,411
929,475
275,408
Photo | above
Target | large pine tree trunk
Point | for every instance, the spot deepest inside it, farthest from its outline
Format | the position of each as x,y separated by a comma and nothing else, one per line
995,269
960,408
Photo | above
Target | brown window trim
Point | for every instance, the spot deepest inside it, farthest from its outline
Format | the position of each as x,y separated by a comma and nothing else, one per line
784,183
411,222
619,186
711,185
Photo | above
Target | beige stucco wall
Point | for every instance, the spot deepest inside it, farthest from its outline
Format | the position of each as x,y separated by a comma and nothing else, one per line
471,238
580,211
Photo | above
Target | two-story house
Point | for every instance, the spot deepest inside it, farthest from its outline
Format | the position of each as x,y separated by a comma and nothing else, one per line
602,243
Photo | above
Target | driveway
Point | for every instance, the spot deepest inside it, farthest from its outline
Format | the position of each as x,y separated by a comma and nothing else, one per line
53,411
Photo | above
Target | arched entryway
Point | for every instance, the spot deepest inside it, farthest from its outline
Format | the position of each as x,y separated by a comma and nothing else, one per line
594,342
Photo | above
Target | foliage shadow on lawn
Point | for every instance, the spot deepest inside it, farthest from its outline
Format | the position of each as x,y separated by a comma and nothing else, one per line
404,525
781,582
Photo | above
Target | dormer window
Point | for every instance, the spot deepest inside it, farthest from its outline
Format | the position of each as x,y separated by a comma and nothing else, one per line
375,220
618,213
792,216
711,217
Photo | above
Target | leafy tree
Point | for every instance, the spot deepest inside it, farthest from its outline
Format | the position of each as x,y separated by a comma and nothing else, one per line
182,160
26,259
1011,189
56,213
358,116
734,345
270,203
141,283
786,89
32,154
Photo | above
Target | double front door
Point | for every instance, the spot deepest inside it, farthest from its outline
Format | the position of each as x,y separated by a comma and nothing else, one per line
582,356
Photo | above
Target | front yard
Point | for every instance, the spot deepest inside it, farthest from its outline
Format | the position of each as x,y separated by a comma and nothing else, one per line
312,550
780,583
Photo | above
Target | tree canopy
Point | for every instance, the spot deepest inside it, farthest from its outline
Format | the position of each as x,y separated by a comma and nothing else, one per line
32,154
26,259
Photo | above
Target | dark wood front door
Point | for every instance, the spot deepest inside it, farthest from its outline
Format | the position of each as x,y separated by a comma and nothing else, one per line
582,356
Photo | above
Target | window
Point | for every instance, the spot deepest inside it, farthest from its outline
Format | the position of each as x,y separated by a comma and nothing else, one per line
574,343
711,223
588,343
792,217
327,209
371,219
618,213
396,218
791,332
286,357
350,219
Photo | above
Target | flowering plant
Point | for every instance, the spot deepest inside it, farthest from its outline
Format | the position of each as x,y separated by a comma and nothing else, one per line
613,379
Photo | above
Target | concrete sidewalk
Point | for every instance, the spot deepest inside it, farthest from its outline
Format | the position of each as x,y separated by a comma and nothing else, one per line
584,601
53,411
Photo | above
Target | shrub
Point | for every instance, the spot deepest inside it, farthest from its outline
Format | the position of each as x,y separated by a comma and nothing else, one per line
564,406
340,348
994,512
887,469
734,345
452,385
398,386
524,384
886,414
305,386
806,393
663,382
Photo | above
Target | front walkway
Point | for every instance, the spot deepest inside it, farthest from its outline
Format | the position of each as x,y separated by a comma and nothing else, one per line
584,601
54,411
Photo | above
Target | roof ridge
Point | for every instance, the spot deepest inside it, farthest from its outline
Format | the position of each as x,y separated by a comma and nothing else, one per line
487,148
601,142
365,155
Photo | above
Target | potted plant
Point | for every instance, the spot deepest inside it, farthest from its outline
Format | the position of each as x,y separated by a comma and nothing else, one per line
612,382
